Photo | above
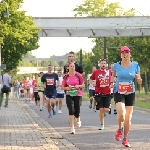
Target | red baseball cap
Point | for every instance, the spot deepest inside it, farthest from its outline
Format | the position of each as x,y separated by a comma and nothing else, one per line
124,48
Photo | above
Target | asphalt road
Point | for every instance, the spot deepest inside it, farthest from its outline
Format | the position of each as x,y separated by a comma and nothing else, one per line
88,137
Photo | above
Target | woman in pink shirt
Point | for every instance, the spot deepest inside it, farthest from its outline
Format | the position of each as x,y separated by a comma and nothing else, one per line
73,83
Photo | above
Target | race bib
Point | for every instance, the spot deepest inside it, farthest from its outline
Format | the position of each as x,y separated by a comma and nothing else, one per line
104,83
50,81
125,88
72,92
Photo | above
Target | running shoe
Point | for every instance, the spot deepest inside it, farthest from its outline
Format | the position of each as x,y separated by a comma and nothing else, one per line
54,112
94,109
125,142
115,112
59,112
109,110
118,135
49,116
72,131
101,127
90,106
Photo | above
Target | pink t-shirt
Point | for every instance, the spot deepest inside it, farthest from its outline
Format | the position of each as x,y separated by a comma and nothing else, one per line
72,81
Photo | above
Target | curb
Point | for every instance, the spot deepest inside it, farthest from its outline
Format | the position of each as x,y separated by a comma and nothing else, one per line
51,144
142,109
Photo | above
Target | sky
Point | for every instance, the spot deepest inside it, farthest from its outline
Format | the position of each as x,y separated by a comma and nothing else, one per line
63,8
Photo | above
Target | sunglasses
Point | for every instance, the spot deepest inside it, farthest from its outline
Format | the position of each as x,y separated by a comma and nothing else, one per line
70,56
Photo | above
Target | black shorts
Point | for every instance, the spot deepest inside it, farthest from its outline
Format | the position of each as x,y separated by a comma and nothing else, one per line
128,100
91,93
102,101
36,96
60,95
73,104
112,95
27,90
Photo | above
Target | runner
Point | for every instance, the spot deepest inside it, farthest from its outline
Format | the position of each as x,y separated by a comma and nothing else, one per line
41,91
92,91
78,67
31,89
71,59
26,89
124,92
112,92
35,91
102,89
49,82
72,84
60,92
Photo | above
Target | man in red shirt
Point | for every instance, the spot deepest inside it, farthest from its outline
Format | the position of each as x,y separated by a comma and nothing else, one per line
102,77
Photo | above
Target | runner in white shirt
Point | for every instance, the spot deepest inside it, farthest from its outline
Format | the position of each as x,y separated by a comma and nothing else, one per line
91,91
31,89
60,93
112,91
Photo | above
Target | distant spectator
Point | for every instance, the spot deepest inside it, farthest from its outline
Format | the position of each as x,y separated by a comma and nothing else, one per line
16,89
5,81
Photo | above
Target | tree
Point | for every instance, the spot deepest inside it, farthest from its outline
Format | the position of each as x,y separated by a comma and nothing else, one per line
18,33
97,8
61,63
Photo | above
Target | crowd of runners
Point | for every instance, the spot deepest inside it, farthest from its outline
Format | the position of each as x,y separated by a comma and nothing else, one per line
105,83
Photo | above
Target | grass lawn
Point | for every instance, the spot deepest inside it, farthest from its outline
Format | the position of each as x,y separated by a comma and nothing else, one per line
142,99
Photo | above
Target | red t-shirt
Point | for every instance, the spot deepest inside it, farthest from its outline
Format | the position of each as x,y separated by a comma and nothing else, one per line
26,84
35,87
102,78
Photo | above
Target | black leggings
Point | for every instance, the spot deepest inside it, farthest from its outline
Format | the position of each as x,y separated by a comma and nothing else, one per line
73,104
36,96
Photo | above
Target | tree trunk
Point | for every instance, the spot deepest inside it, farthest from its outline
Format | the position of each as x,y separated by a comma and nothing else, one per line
146,85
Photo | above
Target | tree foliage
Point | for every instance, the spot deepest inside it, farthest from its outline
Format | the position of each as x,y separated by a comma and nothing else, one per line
140,46
18,33
101,8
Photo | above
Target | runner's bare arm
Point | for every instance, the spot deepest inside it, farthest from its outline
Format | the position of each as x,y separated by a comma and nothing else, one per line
138,78
58,84
92,82
80,86
113,77
65,88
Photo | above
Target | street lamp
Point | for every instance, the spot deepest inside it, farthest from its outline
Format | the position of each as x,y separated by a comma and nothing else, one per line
6,14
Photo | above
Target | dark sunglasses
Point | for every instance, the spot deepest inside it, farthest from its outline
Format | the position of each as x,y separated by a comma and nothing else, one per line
70,56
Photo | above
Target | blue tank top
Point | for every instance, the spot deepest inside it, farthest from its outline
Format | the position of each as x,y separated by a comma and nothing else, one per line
125,78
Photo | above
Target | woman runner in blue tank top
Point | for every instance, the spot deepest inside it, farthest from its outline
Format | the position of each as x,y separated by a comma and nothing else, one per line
125,72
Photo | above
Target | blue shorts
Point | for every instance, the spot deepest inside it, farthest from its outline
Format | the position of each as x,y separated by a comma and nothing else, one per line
48,96
60,95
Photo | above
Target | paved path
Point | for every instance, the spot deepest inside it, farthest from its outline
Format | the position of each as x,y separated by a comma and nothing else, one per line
23,127
18,131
